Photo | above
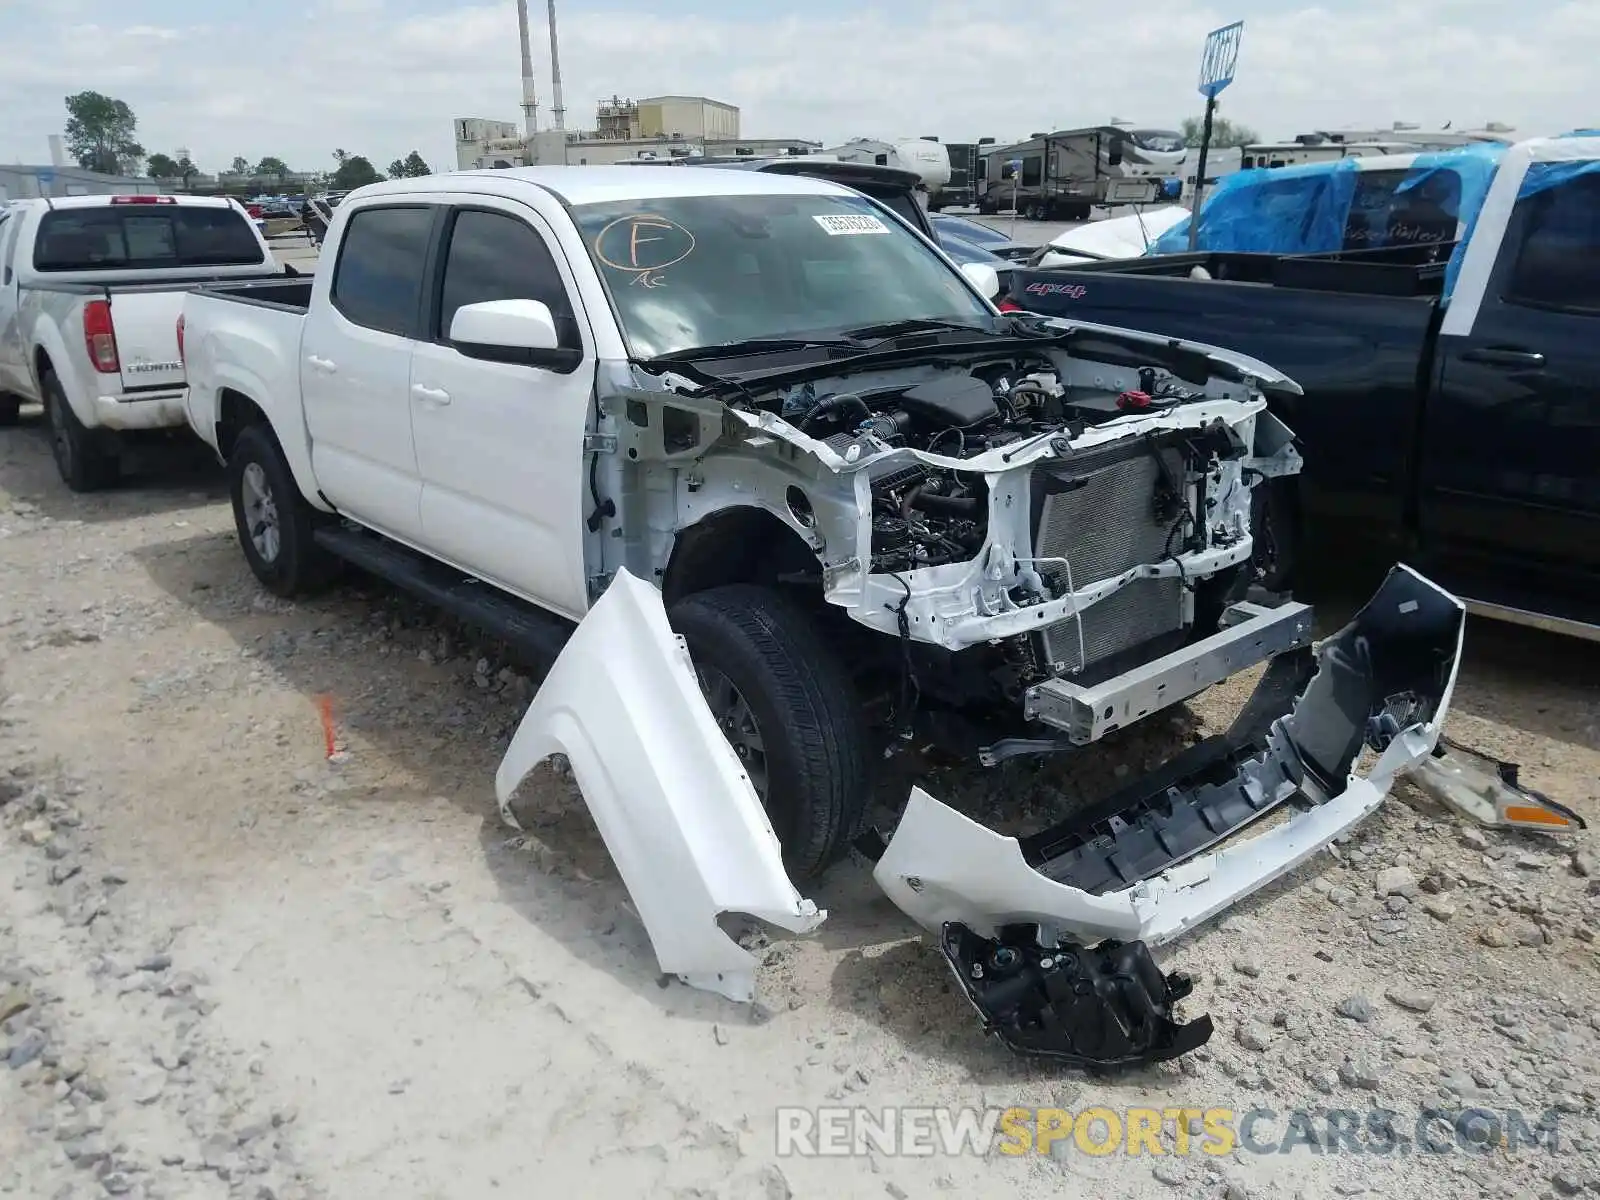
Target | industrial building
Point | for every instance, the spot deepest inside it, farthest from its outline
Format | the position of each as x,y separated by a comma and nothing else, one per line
623,130
20,182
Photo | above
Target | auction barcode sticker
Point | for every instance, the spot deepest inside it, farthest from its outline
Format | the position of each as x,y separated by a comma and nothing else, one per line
837,224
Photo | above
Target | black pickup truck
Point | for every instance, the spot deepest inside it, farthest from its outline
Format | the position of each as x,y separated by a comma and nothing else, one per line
1460,433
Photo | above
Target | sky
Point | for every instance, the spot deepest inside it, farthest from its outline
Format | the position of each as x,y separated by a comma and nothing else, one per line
298,79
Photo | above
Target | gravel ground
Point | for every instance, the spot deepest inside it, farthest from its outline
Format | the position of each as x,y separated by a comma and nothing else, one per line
232,967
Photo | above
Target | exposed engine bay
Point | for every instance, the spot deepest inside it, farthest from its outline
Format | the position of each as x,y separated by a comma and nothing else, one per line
1062,506
923,515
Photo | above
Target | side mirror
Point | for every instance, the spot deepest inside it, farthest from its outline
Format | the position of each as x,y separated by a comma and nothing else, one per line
511,331
983,277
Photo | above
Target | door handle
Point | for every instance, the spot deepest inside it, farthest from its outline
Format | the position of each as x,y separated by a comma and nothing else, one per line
325,365
1504,356
430,395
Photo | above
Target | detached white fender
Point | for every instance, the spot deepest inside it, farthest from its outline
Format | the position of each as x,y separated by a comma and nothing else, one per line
671,799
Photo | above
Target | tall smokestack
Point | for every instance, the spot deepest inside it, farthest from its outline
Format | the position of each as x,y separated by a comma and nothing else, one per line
530,95
557,108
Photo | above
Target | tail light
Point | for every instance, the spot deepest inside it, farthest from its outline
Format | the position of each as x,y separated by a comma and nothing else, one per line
100,337
144,199
1007,304
181,357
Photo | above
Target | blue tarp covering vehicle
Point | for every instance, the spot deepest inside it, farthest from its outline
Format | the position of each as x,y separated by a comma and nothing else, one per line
1349,204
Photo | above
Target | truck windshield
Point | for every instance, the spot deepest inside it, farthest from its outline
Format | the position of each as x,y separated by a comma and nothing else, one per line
144,237
686,272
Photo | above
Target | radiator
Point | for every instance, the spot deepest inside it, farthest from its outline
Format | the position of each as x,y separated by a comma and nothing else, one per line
1097,512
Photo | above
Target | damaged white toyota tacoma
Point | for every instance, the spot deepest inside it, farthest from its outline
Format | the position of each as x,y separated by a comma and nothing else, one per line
799,484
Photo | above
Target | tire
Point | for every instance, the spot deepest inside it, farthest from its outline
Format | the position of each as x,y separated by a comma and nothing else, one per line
276,527
1275,526
813,773
84,457
10,410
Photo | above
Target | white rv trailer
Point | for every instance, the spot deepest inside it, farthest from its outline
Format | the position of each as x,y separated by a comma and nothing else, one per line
921,156
1326,146
1066,174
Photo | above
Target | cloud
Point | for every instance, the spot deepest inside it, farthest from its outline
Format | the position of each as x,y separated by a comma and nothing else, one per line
381,77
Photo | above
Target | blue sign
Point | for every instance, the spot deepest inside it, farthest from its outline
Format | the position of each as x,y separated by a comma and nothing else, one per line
1220,58
1014,163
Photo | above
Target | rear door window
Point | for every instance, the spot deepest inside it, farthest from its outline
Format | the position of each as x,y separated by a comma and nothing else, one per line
378,280
1557,262
138,237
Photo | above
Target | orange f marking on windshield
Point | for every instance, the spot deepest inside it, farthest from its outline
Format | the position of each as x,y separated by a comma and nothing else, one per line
634,237
643,243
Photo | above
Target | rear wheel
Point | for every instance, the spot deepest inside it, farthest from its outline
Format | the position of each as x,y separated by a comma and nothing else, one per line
84,458
788,708
276,526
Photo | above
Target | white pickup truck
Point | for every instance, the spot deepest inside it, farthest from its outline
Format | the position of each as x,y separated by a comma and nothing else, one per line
91,288
800,485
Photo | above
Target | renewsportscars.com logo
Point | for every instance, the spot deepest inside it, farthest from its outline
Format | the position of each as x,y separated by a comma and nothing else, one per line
1098,1131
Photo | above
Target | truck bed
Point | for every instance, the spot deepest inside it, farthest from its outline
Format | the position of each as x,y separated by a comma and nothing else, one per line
1356,332
291,293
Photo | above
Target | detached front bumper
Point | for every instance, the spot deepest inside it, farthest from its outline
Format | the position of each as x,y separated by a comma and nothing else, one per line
1140,865
1047,935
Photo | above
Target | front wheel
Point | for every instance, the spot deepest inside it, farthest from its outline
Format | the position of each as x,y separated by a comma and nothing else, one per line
788,707
276,526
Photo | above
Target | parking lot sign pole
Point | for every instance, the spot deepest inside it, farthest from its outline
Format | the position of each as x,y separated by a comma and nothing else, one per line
1217,63
1016,178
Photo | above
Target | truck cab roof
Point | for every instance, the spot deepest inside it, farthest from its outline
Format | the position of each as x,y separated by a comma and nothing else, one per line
606,184
57,203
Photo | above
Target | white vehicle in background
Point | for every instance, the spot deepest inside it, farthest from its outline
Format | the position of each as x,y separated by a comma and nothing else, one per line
91,289
1116,237
927,159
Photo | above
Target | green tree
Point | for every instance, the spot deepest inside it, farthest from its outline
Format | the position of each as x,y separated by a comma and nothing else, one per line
99,133
1224,133
161,166
354,171
240,165
272,166
186,169
412,166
